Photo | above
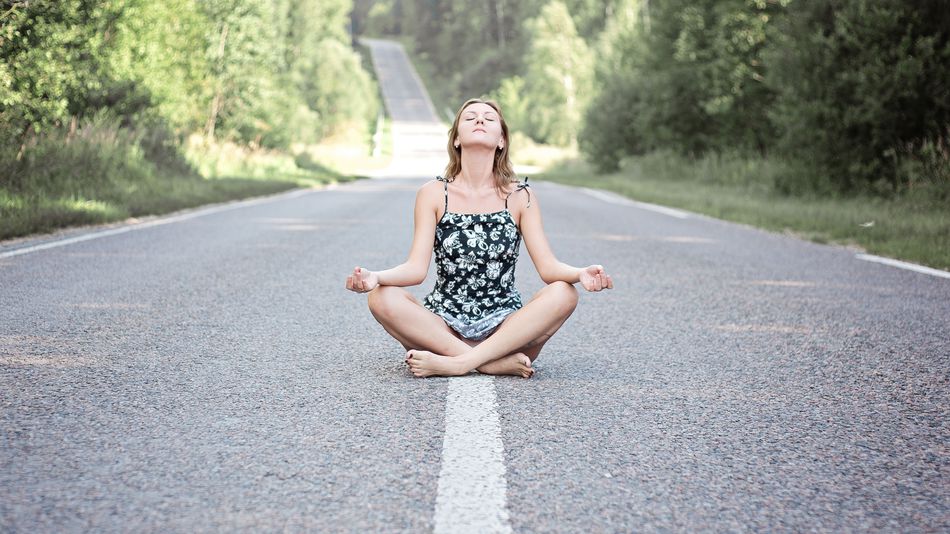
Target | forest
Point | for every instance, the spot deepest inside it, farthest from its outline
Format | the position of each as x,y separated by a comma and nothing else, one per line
116,108
851,95
110,106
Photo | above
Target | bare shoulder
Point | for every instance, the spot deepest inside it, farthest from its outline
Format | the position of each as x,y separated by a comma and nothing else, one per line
430,194
431,187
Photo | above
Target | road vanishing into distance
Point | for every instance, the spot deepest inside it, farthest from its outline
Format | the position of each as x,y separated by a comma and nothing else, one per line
207,372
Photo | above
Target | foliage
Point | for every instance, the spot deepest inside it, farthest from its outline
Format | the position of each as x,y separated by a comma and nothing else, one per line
243,70
557,78
852,93
97,97
685,75
858,83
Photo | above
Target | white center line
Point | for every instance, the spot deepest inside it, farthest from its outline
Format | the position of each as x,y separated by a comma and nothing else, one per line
157,222
623,201
903,265
472,486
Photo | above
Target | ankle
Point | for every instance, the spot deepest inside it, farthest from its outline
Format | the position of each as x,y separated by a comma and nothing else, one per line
464,364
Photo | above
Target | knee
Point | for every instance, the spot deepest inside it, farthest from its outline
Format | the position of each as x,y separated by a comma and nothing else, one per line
566,295
381,299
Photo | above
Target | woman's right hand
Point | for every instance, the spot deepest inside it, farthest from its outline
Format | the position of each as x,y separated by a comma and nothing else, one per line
362,280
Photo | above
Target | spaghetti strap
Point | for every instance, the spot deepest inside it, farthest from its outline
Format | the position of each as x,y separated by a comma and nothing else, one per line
445,184
522,186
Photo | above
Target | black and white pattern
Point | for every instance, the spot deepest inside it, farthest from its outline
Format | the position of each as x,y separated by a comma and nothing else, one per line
475,257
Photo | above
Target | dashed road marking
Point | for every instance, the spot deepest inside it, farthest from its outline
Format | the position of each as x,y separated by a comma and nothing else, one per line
472,485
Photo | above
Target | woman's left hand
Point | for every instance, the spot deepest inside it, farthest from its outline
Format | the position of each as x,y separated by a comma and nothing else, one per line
594,278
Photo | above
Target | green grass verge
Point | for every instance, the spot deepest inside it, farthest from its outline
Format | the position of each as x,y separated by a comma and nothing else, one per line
90,180
25,214
912,227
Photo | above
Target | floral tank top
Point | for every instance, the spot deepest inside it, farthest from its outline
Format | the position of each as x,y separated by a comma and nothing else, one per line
475,257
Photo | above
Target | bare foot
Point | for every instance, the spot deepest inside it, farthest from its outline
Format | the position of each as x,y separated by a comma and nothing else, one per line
423,363
517,364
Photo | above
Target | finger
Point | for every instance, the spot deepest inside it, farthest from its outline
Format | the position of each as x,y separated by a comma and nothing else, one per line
349,282
362,278
610,282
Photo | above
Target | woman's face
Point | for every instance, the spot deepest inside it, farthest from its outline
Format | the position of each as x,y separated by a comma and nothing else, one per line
480,126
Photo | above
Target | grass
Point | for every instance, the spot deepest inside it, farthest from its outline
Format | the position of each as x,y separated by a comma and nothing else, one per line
25,213
913,227
348,154
103,173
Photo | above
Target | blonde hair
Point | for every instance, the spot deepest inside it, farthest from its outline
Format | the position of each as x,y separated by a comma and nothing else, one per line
502,170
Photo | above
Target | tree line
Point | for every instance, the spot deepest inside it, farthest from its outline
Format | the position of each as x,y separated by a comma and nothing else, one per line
265,73
854,95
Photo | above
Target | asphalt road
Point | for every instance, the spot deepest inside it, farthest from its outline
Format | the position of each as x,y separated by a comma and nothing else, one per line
212,374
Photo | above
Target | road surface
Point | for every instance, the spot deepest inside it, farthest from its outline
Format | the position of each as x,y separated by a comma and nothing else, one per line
208,372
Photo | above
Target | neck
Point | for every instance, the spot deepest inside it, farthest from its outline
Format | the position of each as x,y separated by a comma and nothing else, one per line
477,165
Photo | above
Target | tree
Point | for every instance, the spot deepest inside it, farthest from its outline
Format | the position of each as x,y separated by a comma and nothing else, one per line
558,78
859,80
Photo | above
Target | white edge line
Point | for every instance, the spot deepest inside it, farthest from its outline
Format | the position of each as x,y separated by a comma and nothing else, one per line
200,212
903,265
617,199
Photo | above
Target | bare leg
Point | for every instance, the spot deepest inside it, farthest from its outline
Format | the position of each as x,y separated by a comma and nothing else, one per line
415,327
530,326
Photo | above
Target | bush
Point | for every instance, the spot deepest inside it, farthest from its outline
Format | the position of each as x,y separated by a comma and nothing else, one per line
857,83
99,160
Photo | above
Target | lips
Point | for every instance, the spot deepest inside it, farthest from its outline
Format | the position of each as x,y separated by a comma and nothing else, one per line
478,130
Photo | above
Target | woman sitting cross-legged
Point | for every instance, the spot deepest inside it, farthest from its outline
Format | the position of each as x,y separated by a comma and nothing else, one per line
474,318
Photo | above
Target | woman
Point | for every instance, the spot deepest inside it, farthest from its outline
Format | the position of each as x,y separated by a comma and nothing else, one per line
474,318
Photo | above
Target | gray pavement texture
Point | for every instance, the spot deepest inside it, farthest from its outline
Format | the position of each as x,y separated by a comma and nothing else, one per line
213,375
405,97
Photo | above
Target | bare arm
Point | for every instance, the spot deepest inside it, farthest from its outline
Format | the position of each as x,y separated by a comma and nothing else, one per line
549,268
414,270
